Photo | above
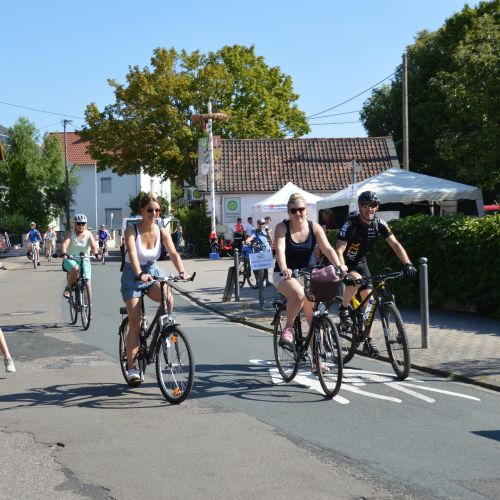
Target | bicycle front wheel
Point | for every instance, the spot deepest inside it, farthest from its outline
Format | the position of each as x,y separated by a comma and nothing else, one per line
241,274
174,366
328,356
73,310
286,360
122,344
85,307
35,259
396,340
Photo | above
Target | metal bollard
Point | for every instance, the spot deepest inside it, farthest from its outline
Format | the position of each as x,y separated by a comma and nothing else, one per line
260,280
424,301
237,277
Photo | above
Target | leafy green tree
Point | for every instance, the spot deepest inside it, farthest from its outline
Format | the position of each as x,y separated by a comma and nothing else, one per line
150,124
135,201
35,176
454,103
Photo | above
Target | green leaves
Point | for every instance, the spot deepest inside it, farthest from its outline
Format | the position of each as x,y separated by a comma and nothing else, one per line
149,125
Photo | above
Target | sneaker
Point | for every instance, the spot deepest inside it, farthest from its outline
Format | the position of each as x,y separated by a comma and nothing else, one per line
370,348
287,336
345,317
322,367
9,365
133,375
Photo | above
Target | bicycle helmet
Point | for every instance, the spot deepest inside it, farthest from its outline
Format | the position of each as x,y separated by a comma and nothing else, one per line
32,224
368,197
261,221
80,218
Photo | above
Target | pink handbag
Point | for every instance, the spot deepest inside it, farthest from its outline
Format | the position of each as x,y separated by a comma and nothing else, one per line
324,284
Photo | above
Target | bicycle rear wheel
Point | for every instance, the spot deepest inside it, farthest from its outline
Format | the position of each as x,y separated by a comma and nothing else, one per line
286,360
85,307
73,309
328,356
349,339
174,365
122,354
396,340
189,251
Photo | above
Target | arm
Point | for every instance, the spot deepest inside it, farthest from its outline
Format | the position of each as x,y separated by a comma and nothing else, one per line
249,239
94,247
174,256
65,243
398,249
326,248
129,242
340,249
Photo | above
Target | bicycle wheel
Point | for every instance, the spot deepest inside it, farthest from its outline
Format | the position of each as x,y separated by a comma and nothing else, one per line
286,361
103,257
35,259
85,307
252,278
189,251
396,341
122,343
327,354
73,309
349,339
241,274
174,366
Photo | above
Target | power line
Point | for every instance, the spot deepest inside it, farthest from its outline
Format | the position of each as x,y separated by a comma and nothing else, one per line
336,114
40,110
332,123
354,97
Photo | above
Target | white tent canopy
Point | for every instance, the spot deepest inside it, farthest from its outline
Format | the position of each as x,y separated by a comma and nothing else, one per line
402,186
276,205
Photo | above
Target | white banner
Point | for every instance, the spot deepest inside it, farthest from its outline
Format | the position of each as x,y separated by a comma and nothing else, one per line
261,260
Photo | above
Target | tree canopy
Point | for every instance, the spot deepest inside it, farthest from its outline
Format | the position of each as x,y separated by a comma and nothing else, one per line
150,126
454,99
35,177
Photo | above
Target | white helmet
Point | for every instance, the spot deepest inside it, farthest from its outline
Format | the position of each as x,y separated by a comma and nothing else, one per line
80,218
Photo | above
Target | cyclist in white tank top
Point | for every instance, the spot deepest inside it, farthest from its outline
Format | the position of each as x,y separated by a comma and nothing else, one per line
143,249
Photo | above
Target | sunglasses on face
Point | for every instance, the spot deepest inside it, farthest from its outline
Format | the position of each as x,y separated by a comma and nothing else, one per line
80,223
296,210
151,210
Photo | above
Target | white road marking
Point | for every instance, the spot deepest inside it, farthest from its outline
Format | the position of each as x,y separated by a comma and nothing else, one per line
353,379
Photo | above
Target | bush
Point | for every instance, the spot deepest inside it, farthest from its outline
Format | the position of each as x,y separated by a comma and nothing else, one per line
16,223
461,252
195,227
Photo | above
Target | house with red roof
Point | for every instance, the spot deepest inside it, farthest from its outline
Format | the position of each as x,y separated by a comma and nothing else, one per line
103,196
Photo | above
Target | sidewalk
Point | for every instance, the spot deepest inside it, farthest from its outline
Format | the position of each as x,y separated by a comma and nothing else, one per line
461,345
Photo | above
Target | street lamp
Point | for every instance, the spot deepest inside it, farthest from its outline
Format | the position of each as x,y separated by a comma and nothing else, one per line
208,117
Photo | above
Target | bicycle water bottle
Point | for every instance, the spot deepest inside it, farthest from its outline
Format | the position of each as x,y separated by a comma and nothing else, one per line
368,309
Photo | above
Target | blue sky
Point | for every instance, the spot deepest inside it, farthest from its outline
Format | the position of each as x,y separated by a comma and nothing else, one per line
57,56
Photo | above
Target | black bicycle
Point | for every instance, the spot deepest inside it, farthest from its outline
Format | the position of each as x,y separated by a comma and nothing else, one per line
103,250
162,343
354,334
322,337
245,272
79,297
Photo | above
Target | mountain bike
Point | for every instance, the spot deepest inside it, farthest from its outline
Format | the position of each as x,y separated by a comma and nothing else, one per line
322,337
162,343
79,297
354,334
245,272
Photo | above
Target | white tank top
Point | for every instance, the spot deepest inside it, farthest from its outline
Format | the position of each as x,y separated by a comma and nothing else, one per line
146,254
76,245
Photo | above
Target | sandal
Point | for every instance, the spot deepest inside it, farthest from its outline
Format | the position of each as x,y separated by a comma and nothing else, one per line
67,293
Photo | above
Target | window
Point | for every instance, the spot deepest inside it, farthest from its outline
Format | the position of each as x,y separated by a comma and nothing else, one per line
114,222
105,184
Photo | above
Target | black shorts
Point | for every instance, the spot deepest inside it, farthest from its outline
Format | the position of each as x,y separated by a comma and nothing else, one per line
361,268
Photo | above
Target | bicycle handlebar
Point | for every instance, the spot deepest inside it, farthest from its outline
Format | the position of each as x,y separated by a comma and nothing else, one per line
173,278
364,280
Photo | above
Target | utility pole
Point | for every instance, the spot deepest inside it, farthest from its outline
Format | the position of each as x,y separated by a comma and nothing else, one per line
406,144
65,122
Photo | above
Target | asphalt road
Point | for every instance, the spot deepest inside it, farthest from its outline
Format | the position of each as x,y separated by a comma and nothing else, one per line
242,433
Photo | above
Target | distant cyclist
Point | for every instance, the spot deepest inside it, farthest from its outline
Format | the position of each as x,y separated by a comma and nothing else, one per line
49,238
76,241
103,236
356,236
34,238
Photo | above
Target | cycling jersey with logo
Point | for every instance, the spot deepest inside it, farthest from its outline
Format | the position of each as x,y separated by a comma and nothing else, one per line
360,237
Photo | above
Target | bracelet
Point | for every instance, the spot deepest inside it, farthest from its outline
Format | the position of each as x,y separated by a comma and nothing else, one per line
139,276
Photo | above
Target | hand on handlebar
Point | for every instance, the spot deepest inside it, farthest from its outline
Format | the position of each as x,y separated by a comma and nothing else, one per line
409,270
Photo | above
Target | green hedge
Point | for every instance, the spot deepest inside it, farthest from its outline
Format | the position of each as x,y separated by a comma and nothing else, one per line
462,254
196,227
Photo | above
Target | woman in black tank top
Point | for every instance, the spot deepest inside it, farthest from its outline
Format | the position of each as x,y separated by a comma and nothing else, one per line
295,240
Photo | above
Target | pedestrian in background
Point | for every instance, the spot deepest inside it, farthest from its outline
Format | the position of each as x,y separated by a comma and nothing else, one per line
248,227
9,364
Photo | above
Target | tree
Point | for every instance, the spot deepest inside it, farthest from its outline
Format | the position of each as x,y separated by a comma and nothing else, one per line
135,202
35,176
453,87
149,126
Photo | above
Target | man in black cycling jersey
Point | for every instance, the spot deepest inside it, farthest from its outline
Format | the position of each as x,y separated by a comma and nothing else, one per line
356,236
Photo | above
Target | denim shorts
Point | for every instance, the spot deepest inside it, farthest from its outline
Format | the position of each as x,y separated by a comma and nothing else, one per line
130,287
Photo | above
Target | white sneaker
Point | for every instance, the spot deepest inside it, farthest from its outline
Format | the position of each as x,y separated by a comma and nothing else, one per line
133,375
9,365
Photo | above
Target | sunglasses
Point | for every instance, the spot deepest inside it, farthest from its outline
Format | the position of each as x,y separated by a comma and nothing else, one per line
151,210
80,223
296,210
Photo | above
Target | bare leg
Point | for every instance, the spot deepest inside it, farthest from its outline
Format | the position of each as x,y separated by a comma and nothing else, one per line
3,346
